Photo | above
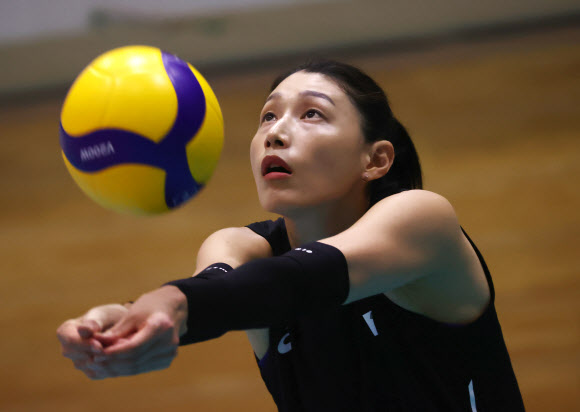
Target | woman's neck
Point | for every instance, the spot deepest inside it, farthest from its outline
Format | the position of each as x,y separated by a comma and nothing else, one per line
312,224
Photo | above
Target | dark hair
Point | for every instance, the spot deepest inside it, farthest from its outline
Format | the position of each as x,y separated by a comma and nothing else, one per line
377,123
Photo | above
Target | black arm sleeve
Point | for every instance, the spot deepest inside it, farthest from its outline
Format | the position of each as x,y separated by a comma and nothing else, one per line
265,291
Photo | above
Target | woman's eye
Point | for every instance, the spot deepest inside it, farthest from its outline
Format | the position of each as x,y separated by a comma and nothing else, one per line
267,117
311,114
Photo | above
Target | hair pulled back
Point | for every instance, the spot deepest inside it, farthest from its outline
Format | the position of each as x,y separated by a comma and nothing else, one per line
377,123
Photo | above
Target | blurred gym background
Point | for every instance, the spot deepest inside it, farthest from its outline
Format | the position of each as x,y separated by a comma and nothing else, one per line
489,91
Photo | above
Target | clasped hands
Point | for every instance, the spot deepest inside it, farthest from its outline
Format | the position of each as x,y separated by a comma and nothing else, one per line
121,340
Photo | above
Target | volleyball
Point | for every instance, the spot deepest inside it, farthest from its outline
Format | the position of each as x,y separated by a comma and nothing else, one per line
141,130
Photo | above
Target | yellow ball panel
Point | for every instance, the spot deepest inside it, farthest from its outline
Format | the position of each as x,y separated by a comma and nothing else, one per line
130,188
86,102
126,88
129,59
203,152
143,103
210,97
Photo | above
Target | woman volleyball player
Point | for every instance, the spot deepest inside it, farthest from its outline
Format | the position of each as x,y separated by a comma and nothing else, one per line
366,295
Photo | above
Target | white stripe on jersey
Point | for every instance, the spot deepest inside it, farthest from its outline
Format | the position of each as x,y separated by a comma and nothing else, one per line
472,396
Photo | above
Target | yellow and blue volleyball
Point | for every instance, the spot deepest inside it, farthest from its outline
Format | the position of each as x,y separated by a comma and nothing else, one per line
141,130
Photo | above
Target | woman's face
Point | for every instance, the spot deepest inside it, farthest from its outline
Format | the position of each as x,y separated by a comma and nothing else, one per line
309,149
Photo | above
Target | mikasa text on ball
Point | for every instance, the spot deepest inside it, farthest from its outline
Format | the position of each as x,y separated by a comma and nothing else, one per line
141,130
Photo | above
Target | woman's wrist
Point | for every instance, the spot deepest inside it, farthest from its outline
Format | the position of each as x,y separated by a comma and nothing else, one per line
190,334
176,303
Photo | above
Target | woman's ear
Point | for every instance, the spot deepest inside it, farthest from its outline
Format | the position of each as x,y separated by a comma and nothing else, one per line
379,160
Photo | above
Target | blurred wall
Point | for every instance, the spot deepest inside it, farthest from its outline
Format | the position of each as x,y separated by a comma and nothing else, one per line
235,32
27,19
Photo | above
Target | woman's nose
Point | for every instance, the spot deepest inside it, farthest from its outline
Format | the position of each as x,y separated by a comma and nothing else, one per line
275,141
277,135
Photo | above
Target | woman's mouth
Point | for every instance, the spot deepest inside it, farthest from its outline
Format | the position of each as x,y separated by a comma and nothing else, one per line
273,167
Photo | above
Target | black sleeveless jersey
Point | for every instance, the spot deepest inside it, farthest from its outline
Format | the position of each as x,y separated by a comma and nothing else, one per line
373,355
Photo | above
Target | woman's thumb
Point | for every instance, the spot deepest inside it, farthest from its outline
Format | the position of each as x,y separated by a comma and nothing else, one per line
120,330
88,328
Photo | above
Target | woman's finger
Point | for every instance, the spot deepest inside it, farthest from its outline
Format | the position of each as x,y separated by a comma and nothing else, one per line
128,368
106,315
122,329
158,330
154,360
73,345
88,327
67,333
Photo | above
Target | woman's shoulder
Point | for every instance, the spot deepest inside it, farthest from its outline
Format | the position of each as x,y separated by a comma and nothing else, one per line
417,199
234,235
242,238
416,210
234,246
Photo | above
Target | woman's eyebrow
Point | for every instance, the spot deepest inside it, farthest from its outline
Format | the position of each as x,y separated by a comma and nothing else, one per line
277,95
317,94
272,96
